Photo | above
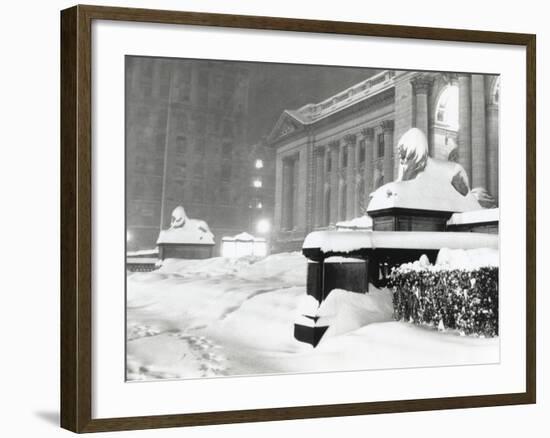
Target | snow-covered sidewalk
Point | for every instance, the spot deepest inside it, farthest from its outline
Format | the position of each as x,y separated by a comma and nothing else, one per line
222,317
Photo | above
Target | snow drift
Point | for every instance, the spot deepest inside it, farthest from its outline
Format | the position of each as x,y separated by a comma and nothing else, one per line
226,317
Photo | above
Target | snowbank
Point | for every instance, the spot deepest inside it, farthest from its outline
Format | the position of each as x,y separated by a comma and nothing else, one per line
287,268
143,253
344,311
457,259
467,259
243,237
228,317
358,223
347,241
475,217
307,305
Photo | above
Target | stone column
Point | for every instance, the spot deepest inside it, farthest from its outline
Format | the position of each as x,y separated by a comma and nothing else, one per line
334,147
479,147
288,195
387,127
342,195
350,140
319,157
464,123
357,178
492,149
421,88
327,187
368,134
278,224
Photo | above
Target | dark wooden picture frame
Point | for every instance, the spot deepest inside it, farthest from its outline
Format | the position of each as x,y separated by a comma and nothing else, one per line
76,217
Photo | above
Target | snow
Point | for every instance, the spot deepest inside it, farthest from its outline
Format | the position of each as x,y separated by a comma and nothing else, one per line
345,311
308,306
243,244
339,259
467,259
227,317
194,231
358,223
347,241
475,217
424,183
186,230
243,237
143,252
141,260
431,189
412,149
456,259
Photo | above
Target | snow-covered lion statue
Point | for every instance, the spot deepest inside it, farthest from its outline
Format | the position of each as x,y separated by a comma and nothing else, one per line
424,182
412,149
183,229
181,220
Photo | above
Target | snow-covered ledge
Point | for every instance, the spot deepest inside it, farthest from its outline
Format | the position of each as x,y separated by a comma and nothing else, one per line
358,223
486,215
346,242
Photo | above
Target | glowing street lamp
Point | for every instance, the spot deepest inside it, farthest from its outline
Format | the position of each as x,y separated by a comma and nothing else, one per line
257,183
259,164
263,226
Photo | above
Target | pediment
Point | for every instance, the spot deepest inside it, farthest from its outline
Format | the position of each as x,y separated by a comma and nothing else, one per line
285,127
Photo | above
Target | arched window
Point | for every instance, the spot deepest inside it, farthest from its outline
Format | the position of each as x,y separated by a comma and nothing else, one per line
447,108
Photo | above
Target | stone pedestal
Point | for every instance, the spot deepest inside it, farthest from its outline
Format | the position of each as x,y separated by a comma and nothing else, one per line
405,219
185,251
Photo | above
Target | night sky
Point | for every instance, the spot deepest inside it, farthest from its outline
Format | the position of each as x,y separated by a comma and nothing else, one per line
276,87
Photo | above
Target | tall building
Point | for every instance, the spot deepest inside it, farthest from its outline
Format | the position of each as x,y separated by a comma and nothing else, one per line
194,134
331,155
185,145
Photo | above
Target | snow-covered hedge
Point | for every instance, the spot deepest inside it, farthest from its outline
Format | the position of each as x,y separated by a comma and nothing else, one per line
461,299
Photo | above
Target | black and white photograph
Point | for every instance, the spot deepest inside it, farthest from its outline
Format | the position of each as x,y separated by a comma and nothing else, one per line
294,218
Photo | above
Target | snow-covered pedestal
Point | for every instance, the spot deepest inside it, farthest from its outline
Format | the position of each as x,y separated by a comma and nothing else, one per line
336,272
186,238
142,261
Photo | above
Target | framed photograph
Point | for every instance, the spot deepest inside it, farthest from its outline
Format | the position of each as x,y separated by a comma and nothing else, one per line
268,218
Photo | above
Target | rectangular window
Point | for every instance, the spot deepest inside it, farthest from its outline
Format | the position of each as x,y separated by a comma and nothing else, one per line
227,148
381,144
227,130
199,169
329,163
181,144
226,172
